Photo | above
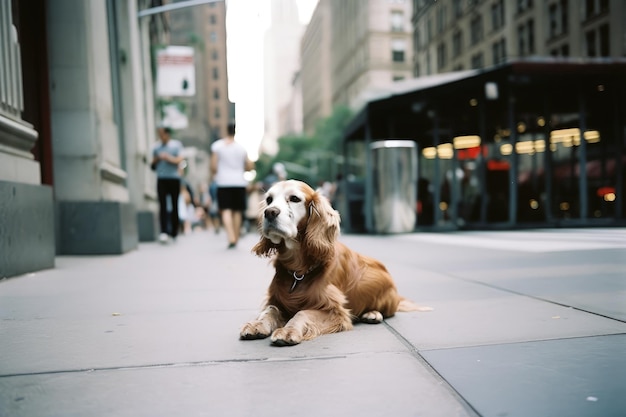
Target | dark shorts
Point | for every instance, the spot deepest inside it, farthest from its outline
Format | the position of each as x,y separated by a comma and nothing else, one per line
231,198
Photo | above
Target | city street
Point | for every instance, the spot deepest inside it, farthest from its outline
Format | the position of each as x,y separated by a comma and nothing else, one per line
525,323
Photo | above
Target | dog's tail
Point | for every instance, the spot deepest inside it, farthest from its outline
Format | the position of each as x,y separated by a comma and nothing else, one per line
406,305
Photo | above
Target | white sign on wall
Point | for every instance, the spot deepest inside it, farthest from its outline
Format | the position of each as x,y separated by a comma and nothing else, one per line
176,75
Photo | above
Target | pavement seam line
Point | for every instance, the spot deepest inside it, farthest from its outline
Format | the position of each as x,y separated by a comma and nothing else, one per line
174,365
422,361
534,297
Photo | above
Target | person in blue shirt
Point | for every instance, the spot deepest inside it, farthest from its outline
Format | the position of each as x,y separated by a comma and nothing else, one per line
166,155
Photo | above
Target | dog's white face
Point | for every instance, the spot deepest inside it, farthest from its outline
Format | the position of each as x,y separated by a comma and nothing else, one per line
284,208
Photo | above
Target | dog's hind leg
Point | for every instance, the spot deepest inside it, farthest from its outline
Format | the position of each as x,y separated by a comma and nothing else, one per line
372,317
269,320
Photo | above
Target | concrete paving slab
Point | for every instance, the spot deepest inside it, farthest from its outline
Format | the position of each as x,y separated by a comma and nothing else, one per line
157,329
497,318
568,377
156,339
366,384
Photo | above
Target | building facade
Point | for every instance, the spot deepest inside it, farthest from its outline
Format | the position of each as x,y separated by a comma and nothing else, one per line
353,50
371,48
209,110
77,122
453,35
281,63
517,111
316,67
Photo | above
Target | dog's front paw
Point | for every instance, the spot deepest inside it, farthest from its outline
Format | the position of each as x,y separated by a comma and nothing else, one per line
254,330
286,336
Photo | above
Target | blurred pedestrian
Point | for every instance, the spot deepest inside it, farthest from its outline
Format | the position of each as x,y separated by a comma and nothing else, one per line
229,162
166,155
214,208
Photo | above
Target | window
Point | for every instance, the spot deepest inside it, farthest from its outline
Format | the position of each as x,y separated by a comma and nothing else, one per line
397,21
212,19
216,93
605,49
477,61
499,52
598,42
213,37
476,30
217,113
523,5
398,49
497,15
590,38
557,17
457,8
457,44
214,55
441,56
398,78
596,7
441,18
216,74
526,38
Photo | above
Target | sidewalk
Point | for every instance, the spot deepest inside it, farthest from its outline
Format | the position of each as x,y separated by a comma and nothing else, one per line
525,324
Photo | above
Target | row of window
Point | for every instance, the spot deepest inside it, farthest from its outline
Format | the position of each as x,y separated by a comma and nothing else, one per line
597,44
557,17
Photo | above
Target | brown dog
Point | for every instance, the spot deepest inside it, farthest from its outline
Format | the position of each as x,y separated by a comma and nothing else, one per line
320,285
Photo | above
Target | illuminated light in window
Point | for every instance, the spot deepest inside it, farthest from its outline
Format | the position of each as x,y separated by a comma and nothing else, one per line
534,204
564,206
541,121
473,102
444,151
609,197
465,142
521,127
443,206
429,153
592,136
600,87
506,149
530,147
571,137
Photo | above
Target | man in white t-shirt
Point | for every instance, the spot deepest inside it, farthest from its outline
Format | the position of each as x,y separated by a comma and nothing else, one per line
229,162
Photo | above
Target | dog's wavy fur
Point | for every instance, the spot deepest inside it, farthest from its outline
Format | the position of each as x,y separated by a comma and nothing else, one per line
339,286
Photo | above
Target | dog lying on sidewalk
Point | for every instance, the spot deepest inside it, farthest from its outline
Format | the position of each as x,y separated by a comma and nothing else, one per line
320,285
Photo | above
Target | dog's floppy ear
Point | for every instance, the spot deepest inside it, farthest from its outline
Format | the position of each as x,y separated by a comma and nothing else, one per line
322,229
265,247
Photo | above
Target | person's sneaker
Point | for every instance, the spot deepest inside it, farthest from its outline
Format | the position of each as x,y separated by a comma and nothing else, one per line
163,238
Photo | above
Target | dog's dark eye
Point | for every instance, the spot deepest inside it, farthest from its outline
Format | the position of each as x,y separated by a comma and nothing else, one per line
295,199
269,200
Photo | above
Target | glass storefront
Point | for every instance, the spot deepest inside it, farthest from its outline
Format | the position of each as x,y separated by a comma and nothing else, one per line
547,150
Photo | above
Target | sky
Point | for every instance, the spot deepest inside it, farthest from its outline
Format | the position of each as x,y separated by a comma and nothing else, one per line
246,22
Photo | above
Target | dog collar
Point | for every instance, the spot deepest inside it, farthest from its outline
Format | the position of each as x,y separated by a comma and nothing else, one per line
297,278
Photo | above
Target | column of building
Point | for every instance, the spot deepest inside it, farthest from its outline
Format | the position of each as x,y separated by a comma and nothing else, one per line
26,208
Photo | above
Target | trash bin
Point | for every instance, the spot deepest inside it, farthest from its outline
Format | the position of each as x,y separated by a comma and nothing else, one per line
394,183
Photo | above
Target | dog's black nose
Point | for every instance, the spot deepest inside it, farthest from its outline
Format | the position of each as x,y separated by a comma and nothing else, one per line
271,213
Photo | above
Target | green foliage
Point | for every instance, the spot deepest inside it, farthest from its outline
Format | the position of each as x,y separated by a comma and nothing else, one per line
310,158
